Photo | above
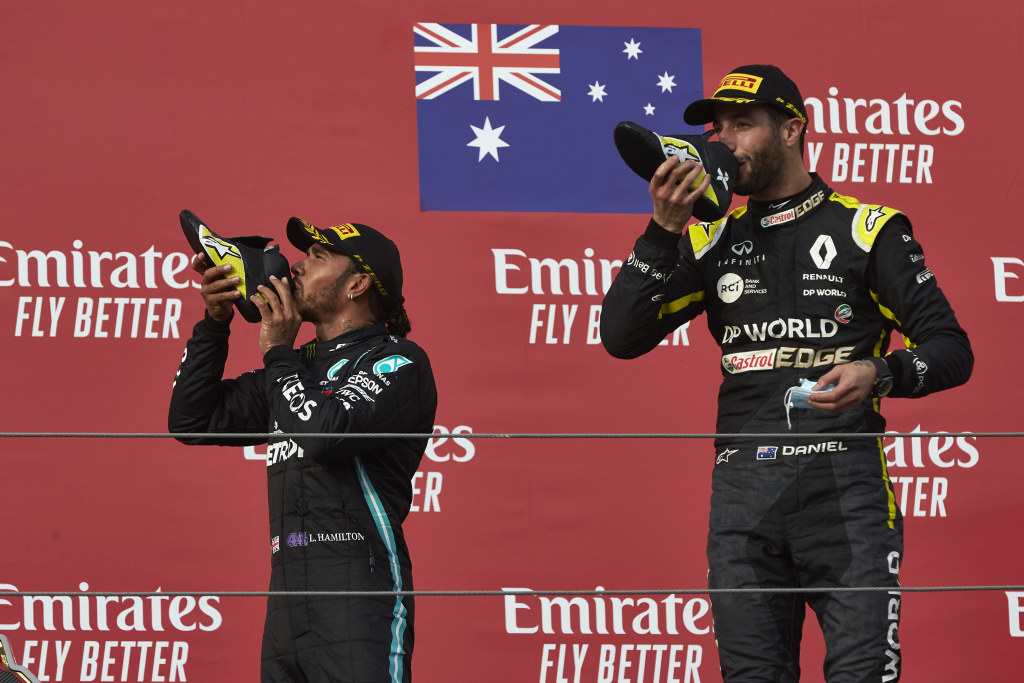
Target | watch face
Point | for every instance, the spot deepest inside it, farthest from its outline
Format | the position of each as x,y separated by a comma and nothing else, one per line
883,387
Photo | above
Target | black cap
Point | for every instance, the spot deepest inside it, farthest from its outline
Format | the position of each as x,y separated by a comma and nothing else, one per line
377,254
753,84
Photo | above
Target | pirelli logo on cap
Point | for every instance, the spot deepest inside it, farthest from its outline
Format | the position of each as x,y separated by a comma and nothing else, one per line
744,82
345,231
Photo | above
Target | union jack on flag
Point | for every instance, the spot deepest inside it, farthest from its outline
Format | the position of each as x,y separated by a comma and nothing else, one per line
487,59
520,117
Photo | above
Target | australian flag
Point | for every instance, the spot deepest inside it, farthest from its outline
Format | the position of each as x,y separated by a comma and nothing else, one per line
520,118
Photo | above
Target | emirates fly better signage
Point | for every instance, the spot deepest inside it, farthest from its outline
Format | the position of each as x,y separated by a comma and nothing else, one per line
481,142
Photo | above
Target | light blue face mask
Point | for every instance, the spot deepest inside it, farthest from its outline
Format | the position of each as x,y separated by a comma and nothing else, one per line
796,397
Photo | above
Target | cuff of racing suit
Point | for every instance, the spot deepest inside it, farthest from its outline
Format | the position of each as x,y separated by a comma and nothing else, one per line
280,352
214,325
660,237
903,383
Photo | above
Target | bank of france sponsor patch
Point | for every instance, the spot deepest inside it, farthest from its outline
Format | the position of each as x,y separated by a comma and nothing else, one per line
767,452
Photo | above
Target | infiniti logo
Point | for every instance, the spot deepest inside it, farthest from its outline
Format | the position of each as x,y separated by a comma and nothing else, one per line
743,248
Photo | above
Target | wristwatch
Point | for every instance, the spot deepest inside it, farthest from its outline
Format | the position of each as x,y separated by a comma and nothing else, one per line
884,378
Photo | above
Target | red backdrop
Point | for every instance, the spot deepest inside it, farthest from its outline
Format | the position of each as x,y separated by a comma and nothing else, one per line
119,114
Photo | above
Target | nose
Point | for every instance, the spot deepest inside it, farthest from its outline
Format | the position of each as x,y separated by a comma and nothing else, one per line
295,267
726,139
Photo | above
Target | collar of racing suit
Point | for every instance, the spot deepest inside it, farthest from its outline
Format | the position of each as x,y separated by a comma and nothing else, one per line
780,211
314,349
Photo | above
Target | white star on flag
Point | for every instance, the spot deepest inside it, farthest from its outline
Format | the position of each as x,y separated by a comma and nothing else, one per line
666,82
597,92
488,140
632,50
649,109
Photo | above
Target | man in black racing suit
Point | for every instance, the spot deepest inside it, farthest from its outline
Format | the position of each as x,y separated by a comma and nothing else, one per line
336,504
802,283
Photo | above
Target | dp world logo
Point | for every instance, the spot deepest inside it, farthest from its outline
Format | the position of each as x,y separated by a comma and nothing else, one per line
390,364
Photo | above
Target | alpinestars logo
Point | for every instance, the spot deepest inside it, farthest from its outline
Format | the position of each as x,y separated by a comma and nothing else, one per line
872,218
684,153
724,455
222,248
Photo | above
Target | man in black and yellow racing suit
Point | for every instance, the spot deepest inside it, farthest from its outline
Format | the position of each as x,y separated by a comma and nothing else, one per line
800,284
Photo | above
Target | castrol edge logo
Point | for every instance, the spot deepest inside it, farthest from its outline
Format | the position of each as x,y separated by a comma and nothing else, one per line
745,361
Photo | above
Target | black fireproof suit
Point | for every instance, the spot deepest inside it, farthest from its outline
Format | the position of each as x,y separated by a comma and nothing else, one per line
336,505
791,288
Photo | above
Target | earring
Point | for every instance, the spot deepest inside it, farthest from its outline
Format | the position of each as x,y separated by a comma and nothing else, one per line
351,298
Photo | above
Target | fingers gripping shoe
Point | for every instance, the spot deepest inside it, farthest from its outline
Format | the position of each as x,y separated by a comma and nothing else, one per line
253,261
643,150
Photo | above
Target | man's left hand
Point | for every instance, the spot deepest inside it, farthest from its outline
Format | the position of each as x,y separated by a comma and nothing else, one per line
853,384
281,322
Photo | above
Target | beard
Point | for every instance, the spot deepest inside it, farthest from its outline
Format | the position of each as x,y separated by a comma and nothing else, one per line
317,303
761,169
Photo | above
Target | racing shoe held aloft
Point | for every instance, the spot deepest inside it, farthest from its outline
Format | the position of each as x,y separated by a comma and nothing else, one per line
253,261
643,150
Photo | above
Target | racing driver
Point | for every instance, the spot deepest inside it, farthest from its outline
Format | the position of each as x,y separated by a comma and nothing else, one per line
802,283
336,504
